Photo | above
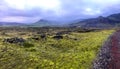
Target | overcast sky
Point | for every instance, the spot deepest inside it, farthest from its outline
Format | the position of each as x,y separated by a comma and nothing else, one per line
28,11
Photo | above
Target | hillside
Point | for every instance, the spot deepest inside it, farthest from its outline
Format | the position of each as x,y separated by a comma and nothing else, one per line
43,23
99,22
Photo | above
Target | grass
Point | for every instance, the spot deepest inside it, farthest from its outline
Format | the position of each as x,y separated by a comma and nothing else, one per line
74,51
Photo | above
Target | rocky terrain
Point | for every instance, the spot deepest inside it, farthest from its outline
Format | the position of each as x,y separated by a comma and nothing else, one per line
104,57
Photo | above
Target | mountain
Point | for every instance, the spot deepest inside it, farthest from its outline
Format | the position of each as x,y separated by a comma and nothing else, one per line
11,24
99,22
43,23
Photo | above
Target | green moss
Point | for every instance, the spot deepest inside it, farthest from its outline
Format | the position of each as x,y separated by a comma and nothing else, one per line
66,53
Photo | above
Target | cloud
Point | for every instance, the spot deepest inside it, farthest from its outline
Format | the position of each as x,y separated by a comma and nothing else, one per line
19,19
61,10
91,11
30,4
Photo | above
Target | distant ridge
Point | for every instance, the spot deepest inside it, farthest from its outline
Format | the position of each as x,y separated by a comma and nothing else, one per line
11,24
99,22
40,23
44,23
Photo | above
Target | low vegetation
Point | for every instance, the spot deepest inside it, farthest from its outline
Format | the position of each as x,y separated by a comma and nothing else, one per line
69,50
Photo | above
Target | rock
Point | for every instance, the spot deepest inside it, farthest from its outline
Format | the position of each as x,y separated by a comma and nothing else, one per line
104,57
58,37
35,38
63,32
14,40
43,36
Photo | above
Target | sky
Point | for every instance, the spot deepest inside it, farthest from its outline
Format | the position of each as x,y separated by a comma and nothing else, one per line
30,11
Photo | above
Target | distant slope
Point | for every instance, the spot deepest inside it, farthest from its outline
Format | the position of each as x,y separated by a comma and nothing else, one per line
40,23
12,24
100,22
43,23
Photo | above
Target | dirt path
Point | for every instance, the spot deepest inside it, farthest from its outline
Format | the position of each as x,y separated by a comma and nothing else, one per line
115,51
109,56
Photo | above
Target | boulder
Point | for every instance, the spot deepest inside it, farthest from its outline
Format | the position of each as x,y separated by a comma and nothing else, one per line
58,37
35,38
63,32
43,36
14,40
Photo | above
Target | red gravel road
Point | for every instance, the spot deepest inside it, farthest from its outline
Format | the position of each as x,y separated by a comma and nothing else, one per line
115,51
